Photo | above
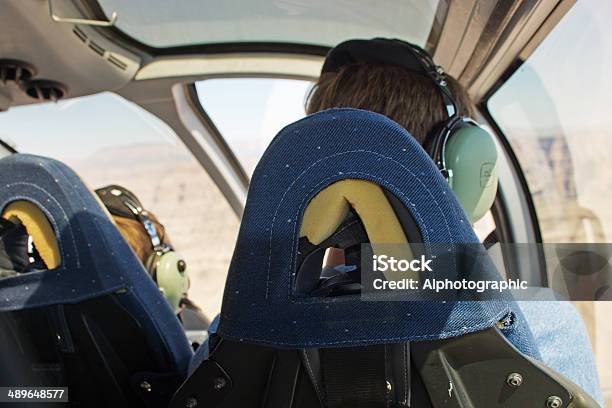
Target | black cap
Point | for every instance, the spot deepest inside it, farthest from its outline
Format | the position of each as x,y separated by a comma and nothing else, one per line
393,52
378,50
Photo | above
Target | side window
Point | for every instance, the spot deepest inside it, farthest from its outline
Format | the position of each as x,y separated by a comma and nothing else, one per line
109,140
555,112
559,125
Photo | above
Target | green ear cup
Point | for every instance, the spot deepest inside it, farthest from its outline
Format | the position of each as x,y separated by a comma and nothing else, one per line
172,278
471,158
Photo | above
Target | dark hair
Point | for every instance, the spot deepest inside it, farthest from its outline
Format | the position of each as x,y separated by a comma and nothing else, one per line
409,98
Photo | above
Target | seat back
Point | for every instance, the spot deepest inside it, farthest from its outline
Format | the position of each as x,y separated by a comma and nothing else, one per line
292,335
304,159
95,323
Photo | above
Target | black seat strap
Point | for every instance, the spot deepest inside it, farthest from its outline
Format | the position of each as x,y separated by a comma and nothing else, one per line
354,377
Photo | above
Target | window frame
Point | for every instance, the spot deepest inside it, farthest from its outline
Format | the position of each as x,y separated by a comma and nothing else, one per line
195,104
6,149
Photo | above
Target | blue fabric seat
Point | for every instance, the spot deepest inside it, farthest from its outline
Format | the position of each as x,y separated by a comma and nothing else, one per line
563,341
303,158
261,306
127,323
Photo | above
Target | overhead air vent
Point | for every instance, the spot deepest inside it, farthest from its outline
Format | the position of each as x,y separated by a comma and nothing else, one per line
96,48
45,90
117,62
79,33
14,70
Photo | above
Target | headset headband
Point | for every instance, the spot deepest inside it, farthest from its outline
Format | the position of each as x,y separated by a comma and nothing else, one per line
123,203
394,52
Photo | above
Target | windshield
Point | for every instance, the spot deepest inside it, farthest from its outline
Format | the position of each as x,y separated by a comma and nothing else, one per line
260,108
160,23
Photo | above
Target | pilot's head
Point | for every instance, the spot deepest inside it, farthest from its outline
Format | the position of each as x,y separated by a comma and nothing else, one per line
409,98
149,240
401,81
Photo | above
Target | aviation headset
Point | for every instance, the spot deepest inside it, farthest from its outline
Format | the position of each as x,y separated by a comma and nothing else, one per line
464,152
166,267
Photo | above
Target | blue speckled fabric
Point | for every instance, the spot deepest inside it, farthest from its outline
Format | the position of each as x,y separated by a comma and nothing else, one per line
259,305
96,260
563,341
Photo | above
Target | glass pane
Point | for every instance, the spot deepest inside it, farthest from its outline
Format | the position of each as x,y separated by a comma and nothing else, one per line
161,23
555,112
109,140
249,112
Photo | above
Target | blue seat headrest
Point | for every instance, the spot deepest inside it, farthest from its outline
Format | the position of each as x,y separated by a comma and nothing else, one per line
259,305
95,259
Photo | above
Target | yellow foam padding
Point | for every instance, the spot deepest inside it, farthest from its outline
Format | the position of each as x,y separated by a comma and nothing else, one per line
38,227
329,207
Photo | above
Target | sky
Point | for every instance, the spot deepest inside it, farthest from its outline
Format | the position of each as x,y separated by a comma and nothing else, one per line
259,110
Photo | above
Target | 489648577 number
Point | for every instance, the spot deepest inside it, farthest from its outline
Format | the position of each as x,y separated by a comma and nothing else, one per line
31,394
